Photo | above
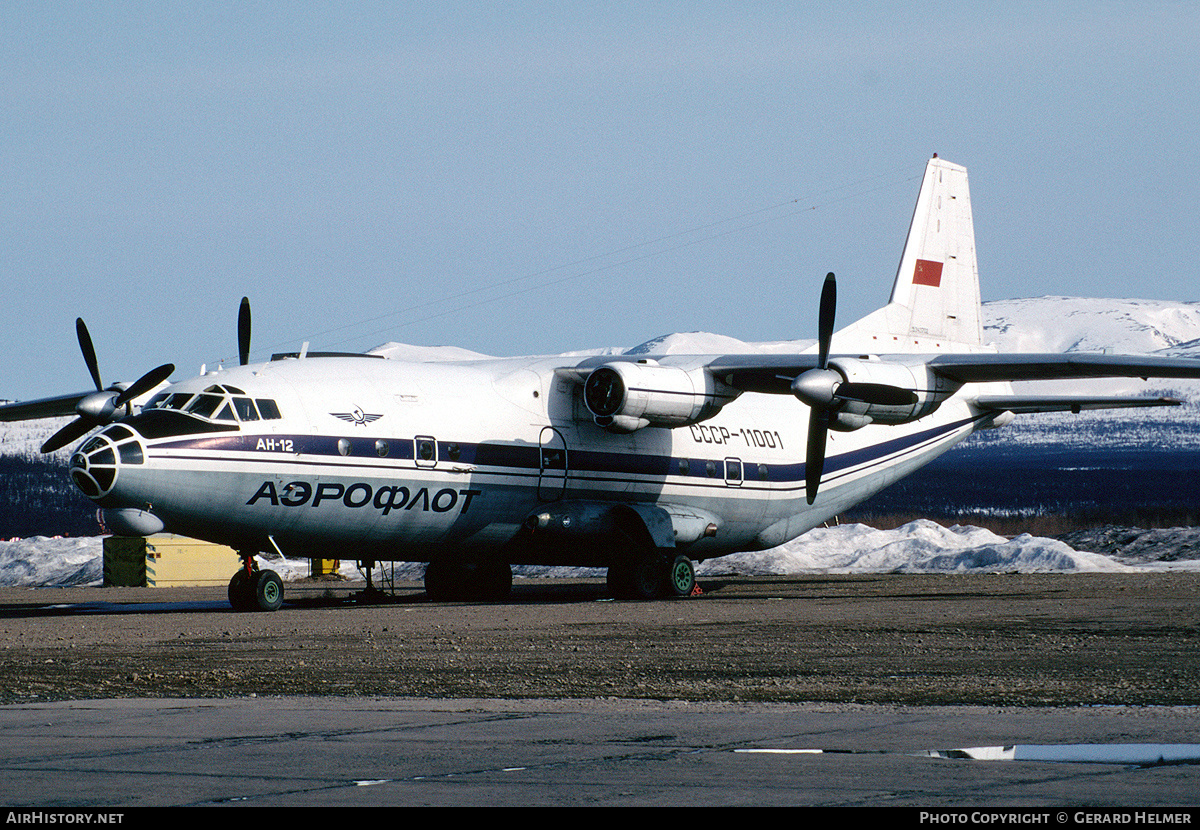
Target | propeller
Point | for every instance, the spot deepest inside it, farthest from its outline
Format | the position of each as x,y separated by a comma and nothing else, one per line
244,331
101,407
816,388
825,392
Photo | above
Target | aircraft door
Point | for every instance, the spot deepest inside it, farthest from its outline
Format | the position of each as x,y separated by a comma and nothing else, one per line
425,451
733,472
552,473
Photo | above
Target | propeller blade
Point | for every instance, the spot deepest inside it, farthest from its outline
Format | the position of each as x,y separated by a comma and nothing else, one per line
817,388
814,460
76,429
89,352
244,331
825,320
144,384
879,394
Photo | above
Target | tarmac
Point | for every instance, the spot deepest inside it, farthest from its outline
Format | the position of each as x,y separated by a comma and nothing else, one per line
347,752
825,691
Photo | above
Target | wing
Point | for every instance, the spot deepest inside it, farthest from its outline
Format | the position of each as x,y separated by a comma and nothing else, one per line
57,407
777,373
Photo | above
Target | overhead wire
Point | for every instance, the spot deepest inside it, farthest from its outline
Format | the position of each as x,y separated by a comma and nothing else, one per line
812,205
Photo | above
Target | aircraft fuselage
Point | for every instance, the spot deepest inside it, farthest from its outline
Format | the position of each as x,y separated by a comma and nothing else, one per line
388,460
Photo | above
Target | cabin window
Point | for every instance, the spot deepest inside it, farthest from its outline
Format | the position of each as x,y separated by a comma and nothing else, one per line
425,451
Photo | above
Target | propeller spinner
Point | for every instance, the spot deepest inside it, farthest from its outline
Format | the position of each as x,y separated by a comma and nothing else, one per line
102,406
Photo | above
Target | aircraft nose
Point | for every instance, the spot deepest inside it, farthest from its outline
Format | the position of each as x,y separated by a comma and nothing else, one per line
96,465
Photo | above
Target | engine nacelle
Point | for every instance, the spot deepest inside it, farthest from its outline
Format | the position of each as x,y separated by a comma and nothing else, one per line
928,391
625,397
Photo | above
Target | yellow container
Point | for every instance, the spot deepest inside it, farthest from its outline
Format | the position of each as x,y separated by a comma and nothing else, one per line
325,567
167,561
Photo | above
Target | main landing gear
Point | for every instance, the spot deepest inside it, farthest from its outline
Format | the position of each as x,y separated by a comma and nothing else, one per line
251,589
650,574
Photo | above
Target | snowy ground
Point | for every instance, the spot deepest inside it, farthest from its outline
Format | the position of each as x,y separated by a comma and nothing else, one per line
918,547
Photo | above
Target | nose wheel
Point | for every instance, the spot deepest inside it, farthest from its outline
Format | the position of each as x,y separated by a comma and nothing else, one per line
253,590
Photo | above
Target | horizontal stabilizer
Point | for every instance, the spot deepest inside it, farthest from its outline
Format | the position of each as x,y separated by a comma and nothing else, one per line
983,368
1023,405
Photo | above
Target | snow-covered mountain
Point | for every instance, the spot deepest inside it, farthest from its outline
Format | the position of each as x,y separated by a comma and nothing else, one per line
1076,324
1117,326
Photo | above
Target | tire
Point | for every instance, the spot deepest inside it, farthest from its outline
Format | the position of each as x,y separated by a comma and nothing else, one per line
618,580
493,580
241,591
268,591
681,578
640,575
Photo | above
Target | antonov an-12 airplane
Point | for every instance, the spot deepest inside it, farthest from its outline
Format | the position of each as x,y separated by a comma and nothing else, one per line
639,463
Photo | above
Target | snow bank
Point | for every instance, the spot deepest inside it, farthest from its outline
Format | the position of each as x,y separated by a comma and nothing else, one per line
43,562
921,546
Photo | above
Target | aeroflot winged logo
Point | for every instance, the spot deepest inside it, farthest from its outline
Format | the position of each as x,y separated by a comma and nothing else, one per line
357,417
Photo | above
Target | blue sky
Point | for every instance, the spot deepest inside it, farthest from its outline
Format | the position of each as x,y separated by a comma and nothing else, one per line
518,178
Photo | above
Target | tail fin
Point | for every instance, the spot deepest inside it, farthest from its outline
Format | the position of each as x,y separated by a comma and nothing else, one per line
935,300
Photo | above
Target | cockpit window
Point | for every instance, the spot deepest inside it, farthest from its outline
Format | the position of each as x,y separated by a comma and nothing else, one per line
216,403
204,405
245,409
118,433
176,401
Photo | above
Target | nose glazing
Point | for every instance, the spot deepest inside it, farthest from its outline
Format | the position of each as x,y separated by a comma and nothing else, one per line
96,464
